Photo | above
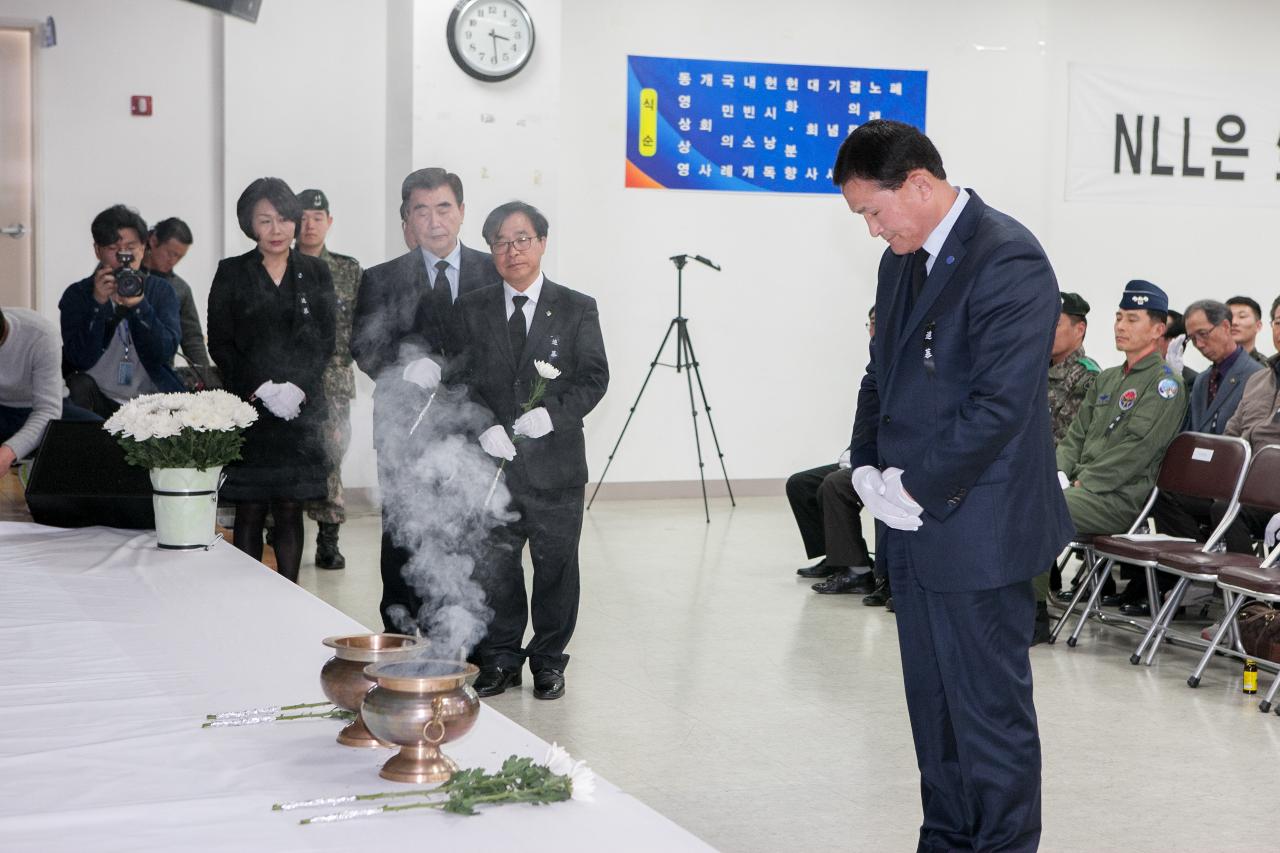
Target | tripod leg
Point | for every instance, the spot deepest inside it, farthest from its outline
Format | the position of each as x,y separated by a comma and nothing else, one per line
693,368
682,342
632,413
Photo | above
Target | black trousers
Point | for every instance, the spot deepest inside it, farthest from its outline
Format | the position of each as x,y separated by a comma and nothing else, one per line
1175,515
396,593
802,493
83,391
551,523
968,683
842,520
826,509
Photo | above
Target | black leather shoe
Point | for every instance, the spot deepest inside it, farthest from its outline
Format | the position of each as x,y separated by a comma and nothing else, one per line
845,582
327,554
1065,595
819,569
878,596
1143,609
1041,632
494,680
888,605
548,684
1117,600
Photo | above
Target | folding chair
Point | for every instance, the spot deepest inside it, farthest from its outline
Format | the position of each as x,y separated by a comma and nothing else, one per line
1195,464
1261,489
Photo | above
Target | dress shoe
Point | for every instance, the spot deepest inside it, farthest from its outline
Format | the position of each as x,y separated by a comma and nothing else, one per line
1065,595
845,582
1141,608
494,680
888,605
878,596
1041,632
819,569
548,684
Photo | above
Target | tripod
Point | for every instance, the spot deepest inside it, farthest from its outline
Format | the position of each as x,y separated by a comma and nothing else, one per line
688,362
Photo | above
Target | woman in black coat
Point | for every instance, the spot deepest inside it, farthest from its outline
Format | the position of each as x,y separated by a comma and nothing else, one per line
271,333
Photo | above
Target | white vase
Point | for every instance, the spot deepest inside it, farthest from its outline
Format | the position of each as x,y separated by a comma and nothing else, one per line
186,506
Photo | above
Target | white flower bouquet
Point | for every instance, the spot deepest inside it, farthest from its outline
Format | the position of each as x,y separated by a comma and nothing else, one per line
199,430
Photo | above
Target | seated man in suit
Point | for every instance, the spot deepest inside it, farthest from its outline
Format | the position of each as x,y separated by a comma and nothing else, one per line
1214,398
1109,459
120,327
1257,421
400,338
506,328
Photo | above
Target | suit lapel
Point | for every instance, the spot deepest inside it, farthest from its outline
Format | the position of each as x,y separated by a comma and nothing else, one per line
496,314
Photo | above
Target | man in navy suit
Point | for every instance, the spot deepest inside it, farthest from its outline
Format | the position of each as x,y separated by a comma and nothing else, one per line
506,328
400,336
952,452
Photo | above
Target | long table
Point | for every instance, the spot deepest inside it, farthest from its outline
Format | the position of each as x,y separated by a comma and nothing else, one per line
111,654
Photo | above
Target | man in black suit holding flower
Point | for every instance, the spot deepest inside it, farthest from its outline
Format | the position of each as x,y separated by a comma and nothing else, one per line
507,328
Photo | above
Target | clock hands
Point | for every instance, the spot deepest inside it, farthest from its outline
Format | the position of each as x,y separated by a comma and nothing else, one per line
494,35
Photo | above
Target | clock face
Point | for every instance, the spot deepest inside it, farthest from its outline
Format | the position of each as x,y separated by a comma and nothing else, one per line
490,39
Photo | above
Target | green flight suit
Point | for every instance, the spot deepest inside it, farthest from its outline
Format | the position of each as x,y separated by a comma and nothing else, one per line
1116,443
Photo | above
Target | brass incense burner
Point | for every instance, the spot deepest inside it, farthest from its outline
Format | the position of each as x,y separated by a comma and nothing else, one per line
418,705
343,680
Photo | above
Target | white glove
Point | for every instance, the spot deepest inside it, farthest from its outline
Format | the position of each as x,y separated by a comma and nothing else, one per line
288,399
843,461
495,442
267,391
870,486
1173,356
1063,481
534,423
1273,532
422,372
897,495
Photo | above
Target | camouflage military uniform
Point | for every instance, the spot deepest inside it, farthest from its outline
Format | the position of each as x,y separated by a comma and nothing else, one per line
1069,383
1116,442
339,386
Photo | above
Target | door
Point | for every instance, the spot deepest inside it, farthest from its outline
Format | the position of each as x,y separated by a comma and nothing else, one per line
17,171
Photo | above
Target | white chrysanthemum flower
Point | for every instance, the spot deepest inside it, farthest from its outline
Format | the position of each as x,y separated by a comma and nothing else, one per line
546,370
582,783
558,760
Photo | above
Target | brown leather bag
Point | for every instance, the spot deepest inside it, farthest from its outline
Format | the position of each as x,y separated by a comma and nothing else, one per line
1259,625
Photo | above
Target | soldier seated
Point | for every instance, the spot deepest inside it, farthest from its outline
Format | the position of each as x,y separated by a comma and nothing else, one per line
1111,454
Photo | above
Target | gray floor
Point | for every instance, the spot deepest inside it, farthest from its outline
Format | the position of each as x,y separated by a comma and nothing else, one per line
708,681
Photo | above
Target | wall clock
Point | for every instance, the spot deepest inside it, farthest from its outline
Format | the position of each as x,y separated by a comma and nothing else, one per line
491,40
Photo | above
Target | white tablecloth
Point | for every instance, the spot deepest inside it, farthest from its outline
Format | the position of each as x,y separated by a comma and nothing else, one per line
112,652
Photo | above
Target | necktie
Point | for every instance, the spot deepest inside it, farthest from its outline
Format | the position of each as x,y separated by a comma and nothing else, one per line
1215,379
441,298
515,326
918,273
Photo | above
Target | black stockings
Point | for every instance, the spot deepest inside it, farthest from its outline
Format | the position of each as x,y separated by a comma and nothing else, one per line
286,532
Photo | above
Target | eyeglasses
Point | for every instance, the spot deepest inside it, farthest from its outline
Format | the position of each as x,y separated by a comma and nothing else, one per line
520,244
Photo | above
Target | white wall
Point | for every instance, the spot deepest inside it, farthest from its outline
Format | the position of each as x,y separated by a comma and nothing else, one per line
780,332
92,153
350,97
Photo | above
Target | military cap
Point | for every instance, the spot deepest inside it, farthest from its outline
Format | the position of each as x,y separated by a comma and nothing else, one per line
313,200
1073,303
1142,295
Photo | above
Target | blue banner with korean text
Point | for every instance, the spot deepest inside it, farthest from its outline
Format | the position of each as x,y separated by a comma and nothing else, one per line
699,124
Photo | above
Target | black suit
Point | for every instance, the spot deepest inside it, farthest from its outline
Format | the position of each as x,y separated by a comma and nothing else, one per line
394,323
549,474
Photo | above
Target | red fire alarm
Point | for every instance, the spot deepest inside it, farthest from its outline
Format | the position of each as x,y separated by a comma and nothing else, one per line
140,105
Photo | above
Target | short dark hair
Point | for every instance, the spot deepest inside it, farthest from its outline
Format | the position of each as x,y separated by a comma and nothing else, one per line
172,228
1274,306
493,222
1214,311
1163,317
428,179
886,152
1077,319
1253,305
273,190
107,224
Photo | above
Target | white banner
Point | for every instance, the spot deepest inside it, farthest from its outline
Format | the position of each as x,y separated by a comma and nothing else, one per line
1172,137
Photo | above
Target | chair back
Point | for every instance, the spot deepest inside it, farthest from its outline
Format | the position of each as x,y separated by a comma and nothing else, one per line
1204,466
1262,483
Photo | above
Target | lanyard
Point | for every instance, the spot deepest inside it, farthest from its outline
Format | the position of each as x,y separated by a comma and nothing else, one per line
122,332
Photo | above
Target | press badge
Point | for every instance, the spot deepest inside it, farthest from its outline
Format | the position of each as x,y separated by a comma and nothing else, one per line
124,373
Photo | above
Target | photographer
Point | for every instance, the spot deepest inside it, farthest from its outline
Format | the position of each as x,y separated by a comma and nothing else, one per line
120,327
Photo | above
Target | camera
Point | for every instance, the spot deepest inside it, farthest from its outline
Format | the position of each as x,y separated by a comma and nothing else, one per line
128,280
